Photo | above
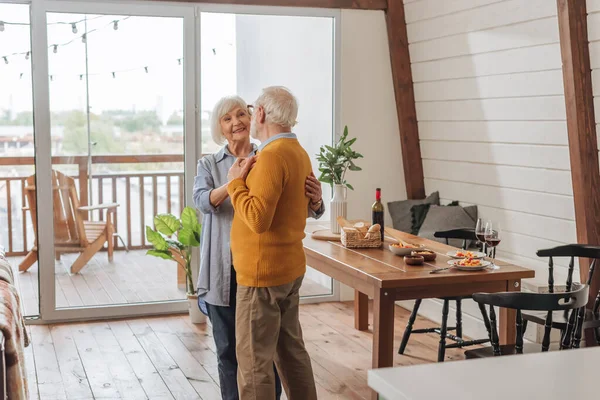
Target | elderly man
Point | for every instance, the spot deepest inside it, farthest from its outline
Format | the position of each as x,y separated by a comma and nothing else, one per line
266,241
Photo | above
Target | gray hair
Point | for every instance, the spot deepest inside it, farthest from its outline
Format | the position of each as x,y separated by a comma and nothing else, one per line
281,107
223,106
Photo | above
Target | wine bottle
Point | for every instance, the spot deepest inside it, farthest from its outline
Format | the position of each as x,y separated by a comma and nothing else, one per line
378,212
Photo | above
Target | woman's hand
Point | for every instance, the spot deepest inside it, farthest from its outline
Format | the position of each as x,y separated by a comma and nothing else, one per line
313,191
240,168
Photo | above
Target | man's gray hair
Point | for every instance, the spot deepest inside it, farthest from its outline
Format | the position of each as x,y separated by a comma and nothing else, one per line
281,107
223,106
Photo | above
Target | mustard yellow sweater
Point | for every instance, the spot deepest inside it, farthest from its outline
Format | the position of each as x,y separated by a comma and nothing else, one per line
271,208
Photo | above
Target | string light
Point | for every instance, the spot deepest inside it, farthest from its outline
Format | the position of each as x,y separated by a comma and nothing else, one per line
146,69
27,55
114,75
5,59
83,38
115,25
21,76
179,61
74,27
55,49
1,26
81,77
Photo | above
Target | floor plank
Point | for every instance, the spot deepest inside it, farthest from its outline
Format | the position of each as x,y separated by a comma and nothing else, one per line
170,372
71,369
142,365
49,379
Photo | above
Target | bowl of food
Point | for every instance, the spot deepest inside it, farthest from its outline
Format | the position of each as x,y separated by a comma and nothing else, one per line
402,249
414,260
426,254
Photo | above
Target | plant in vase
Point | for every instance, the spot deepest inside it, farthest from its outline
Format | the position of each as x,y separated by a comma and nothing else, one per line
334,162
173,239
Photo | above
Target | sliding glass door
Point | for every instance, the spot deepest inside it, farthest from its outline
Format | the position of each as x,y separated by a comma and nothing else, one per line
117,118
122,93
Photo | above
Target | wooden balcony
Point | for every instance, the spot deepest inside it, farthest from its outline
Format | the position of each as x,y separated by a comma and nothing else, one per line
132,277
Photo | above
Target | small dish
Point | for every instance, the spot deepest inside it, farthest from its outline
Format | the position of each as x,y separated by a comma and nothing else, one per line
403,251
426,254
414,260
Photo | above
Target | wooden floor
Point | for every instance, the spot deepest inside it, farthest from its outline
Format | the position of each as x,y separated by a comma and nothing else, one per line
171,358
132,277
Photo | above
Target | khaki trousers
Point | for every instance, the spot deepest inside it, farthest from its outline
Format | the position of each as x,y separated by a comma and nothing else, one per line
268,329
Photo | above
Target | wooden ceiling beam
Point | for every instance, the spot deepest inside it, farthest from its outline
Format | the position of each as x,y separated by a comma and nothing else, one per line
405,100
581,127
350,4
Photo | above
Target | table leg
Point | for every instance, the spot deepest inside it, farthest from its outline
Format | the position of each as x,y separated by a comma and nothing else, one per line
508,317
361,311
383,330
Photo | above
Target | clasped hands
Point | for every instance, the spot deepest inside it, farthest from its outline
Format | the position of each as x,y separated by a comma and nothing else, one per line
242,166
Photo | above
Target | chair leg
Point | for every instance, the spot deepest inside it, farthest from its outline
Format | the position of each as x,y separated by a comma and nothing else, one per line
443,331
110,242
87,254
459,318
28,261
486,320
409,326
57,256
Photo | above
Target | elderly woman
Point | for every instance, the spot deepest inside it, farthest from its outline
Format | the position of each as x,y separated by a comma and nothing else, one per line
230,126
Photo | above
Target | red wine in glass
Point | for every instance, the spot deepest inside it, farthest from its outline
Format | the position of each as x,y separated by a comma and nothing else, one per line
481,237
492,242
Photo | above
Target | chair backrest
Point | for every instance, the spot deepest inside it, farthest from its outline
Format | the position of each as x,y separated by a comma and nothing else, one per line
574,300
572,251
68,225
464,234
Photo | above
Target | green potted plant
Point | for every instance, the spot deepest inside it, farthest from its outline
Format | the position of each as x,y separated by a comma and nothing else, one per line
334,162
173,239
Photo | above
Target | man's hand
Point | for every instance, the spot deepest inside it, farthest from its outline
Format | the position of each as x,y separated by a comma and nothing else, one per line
240,168
313,191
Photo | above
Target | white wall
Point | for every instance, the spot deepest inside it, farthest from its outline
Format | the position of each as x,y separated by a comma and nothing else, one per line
492,123
593,8
369,110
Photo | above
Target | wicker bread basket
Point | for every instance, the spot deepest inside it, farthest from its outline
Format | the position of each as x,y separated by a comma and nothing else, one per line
359,234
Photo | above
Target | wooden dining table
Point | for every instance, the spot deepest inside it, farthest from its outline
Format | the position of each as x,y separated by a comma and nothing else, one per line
379,274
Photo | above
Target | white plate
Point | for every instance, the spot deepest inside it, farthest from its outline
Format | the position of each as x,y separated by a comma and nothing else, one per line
484,264
476,254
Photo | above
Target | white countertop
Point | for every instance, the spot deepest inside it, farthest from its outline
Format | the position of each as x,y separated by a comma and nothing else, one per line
556,375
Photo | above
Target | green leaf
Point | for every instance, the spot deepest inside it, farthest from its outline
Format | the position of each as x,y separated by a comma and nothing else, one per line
349,186
175,243
157,240
326,179
166,224
345,135
353,167
189,218
165,254
187,237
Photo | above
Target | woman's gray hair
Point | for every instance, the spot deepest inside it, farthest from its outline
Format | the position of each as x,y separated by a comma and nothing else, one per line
281,107
223,106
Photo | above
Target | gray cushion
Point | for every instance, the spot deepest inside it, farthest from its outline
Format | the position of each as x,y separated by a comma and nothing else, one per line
400,211
441,218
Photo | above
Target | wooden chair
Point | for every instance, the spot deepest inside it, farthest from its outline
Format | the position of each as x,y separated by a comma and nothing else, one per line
559,319
466,235
73,233
547,302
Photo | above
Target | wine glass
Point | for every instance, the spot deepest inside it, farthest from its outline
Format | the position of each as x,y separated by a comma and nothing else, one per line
492,239
480,232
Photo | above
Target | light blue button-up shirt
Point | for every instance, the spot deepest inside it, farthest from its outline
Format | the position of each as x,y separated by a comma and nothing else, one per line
214,278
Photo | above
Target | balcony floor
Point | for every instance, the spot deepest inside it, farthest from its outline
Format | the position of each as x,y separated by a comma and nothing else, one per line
132,277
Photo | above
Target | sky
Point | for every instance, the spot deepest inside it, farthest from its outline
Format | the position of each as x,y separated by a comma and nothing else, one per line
139,42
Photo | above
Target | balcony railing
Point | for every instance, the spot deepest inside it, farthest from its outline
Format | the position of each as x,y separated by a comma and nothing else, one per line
140,194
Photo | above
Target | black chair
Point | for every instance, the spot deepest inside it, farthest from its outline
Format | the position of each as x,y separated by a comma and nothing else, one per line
467,235
573,301
559,319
